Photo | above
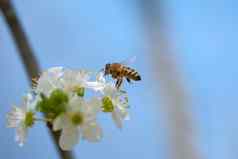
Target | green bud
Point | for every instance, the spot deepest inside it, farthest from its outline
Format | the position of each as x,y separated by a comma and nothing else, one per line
58,97
29,119
54,105
42,105
107,104
79,91
77,118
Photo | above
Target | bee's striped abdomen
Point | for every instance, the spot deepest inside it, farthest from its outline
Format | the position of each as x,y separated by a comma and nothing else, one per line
131,74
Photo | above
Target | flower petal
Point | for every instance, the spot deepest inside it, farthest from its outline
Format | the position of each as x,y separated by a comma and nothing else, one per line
100,77
76,103
83,75
117,119
69,137
123,113
96,86
21,134
15,117
110,90
50,80
58,123
92,132
93,106
55,71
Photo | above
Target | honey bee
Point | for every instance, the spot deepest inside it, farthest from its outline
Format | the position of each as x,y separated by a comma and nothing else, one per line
119,71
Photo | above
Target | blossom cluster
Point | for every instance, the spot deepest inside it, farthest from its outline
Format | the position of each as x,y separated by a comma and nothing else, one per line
60,94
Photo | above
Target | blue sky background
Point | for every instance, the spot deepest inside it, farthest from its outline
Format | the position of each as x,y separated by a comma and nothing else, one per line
88,34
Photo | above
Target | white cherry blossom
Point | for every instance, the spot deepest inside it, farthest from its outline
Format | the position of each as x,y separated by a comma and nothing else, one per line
22,118
59,95
119,104
78,121
50,80
69,80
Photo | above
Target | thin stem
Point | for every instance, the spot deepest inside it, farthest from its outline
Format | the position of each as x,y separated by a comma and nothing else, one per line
30,63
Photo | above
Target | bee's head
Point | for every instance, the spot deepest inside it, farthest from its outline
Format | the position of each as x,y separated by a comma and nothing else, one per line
107,69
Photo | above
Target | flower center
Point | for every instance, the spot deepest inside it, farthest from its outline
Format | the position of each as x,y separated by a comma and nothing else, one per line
107,104
29,119
79,90
77,118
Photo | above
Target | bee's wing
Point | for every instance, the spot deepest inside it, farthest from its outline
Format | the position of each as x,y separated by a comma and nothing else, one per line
129,60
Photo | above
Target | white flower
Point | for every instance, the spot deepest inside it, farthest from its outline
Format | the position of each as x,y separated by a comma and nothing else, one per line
71,81
78,120
49,80
75,81
116,102
99,84
22,118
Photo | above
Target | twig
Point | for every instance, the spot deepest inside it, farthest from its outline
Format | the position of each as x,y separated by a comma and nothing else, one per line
30,63
174,93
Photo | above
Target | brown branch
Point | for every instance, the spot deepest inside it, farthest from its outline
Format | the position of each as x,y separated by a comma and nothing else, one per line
30,63
175,97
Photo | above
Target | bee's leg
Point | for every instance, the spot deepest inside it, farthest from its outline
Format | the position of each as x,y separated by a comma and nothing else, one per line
128,80
119,82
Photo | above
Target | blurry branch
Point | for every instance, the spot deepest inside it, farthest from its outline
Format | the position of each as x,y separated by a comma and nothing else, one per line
174,95
25,52
27,56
